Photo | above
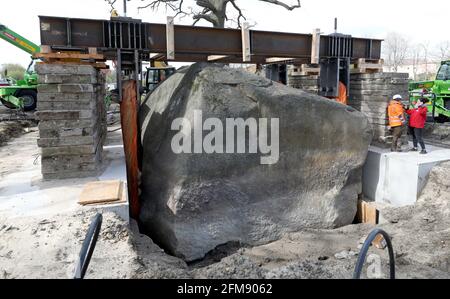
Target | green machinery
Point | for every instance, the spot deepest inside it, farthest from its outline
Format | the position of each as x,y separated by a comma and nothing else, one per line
21,94
437,91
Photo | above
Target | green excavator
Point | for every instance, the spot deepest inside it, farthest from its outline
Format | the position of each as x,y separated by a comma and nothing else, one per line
20,94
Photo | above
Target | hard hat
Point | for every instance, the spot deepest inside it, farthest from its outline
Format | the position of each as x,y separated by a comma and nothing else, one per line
398,97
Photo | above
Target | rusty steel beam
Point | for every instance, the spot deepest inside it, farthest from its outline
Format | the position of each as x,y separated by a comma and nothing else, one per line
129,108
193,43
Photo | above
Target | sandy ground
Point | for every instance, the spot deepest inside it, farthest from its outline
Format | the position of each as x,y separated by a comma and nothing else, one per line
438,134
42,229
23,193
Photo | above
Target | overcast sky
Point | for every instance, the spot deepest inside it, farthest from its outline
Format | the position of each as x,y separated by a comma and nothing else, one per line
420,21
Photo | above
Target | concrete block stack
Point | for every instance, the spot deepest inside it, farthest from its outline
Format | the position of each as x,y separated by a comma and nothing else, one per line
308,83
371,94
72,116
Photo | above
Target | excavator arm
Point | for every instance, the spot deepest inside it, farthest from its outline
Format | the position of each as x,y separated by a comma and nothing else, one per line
17,40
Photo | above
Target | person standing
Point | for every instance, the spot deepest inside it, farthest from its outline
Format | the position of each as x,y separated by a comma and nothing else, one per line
418,117
397,121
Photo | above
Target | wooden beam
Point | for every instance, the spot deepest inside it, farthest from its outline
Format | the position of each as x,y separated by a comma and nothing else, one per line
170,36
246,46
315,49
367,213
46,49
277,59
69,56
216,57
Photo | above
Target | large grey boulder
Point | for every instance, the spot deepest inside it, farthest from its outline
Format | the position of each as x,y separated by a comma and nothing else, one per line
194,202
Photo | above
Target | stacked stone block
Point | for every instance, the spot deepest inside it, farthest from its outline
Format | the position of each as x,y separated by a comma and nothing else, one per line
308,83
72,115
371,94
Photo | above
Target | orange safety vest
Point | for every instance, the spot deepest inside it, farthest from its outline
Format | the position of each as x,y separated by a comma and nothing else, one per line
396,114
342,98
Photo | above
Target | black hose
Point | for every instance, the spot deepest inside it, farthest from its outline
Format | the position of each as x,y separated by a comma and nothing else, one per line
88,247
434,107
365,250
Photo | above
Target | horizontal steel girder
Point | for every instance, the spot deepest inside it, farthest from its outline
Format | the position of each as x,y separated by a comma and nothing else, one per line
192,44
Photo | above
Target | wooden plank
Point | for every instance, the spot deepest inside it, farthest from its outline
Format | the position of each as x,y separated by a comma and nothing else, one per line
46,49
64,55
366,60
170,37
367,213
379,242
278,59
101,192
315,49
92,51
366,70
216,57
246,46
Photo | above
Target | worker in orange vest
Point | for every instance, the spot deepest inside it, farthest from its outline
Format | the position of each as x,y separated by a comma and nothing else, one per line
397,121
342,96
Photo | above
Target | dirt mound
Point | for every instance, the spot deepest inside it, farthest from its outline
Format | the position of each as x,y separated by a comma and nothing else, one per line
49,247
12,129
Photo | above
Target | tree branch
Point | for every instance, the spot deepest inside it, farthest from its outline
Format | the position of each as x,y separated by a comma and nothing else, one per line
280,3
214,11
111,3
239,10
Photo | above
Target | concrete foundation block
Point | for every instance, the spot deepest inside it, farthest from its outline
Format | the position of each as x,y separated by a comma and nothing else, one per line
371,94
67,124
63,88
72,118
66,105
59,133
66,97
70,175
399,178
66,114
68,150
67,141
67,78
52,69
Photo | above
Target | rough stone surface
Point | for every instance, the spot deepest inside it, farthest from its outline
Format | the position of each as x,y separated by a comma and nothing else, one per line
194,202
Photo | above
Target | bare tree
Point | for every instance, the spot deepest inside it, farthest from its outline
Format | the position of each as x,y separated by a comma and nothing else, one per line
212,11
443,50
416,59
395,50
426,57
111,3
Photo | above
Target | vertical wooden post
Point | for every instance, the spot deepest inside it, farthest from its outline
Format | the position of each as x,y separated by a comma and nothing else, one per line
315,49
246,46
170,36
129,116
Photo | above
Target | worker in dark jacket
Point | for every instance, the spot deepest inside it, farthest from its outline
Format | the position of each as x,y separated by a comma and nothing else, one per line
418,117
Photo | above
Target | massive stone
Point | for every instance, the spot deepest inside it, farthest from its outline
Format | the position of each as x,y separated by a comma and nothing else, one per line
194,202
